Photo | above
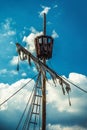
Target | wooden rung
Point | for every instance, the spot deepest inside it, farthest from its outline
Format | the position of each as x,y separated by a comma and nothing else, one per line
35,113
39,87
38,95
36,104
34,123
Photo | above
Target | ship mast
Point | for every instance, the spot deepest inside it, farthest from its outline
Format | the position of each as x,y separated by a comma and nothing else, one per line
43,47
44,85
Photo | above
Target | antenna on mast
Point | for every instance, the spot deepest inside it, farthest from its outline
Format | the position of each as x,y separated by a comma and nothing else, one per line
44,28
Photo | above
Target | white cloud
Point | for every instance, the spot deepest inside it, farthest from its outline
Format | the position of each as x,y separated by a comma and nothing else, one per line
57,98
59,127
45,10
7,90
13,72
33,30
4,107
6,28
49,23
11,32
78,78
57,103
54,34
3,71
55,6
60,101
14,60
55,95
6,25
24,74
11,42
30,39
34,69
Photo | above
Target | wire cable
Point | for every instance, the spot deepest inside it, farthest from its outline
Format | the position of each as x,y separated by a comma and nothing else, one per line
17,91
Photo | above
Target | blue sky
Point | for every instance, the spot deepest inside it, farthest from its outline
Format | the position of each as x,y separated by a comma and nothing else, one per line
21,21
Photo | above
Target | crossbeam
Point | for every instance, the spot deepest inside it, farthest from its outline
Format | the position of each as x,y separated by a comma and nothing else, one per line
43,66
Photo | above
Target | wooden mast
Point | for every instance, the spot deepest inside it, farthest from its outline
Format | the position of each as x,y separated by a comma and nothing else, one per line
44,85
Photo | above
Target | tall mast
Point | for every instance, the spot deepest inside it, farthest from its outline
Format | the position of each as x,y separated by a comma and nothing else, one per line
44,85
43,47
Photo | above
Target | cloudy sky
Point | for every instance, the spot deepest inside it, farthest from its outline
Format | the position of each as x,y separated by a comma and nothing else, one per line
21,21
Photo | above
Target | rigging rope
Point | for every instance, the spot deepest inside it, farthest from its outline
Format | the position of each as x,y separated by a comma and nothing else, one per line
34,99
32,108
25,110
36,112
71,82
26,124
17,91
39,113
74,84
43,67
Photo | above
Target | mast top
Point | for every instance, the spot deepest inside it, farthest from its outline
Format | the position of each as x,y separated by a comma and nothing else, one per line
44,43
44,23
